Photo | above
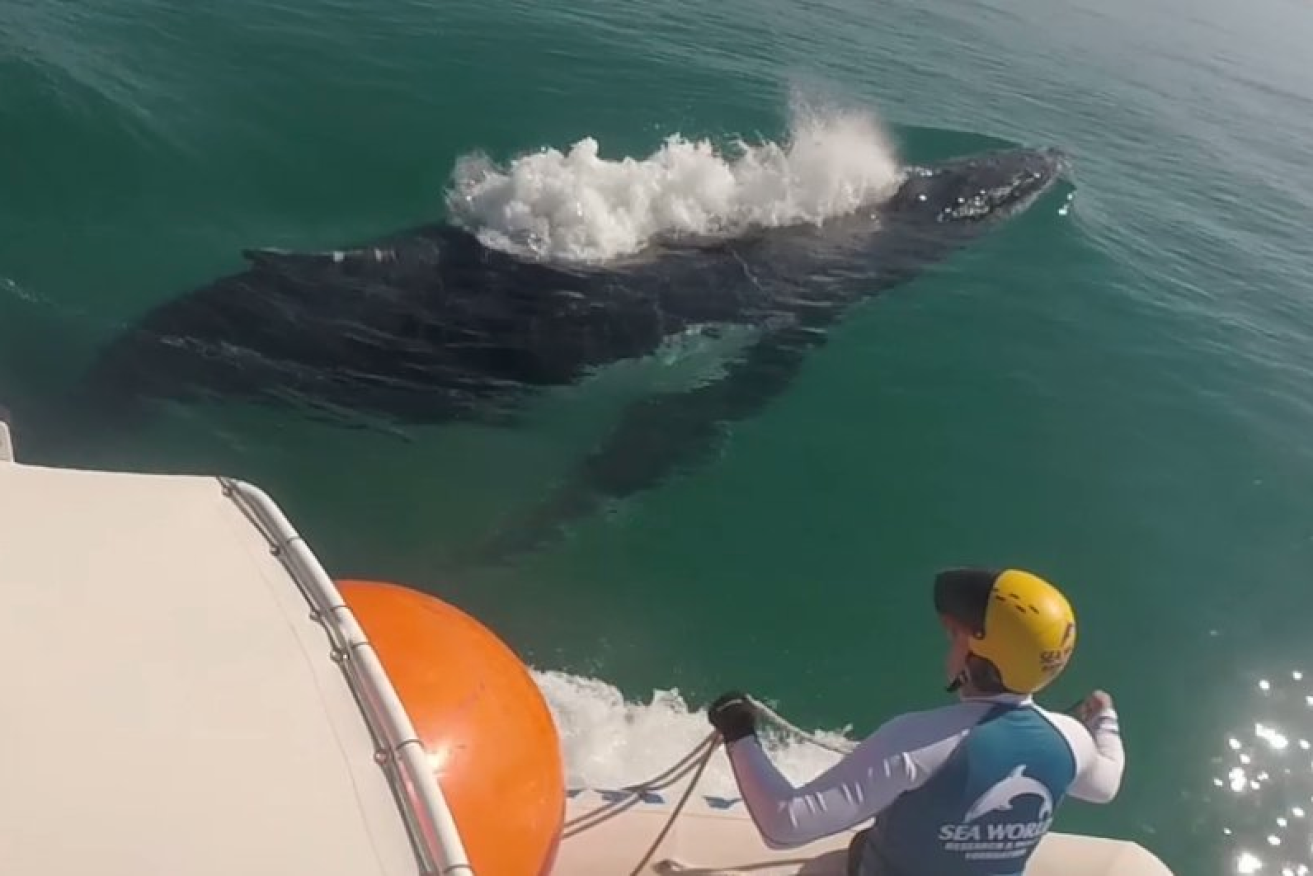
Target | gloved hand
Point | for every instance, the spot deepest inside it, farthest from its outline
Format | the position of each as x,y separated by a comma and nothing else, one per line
733,715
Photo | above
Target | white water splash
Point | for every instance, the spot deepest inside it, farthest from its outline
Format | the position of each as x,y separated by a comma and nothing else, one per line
609,742
579,206
8,288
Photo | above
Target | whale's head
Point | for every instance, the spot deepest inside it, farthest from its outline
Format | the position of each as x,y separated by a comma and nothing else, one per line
976,188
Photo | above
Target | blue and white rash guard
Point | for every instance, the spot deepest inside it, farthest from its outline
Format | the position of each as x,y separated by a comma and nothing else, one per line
969,788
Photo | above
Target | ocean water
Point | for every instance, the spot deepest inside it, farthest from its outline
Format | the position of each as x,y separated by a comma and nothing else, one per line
1115,391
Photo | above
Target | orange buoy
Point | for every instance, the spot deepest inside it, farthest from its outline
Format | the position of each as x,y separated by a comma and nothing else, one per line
483,720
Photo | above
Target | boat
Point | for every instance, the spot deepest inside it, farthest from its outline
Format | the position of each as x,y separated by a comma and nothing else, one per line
190,692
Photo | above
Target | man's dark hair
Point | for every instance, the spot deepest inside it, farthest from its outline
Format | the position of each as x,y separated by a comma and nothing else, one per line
984,676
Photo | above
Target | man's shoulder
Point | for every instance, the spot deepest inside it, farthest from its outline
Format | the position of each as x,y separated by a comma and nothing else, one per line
1062,721
1076,733
929,726
961,711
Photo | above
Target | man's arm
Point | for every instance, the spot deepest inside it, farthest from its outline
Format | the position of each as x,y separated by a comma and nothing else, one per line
1097,742
850,792
1102,779
896,758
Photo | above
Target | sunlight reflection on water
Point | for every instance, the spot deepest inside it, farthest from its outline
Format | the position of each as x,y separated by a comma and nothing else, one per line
1267,766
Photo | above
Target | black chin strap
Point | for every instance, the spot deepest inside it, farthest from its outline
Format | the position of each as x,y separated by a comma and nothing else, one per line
957,682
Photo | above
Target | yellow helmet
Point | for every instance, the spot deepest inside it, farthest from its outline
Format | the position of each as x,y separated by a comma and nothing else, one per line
1020,623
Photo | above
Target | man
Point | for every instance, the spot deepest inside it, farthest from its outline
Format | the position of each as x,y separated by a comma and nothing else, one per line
968,789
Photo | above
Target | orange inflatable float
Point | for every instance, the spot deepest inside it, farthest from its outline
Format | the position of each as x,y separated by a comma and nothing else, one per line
483,720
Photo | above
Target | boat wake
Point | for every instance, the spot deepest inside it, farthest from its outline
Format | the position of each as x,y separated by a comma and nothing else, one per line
609,742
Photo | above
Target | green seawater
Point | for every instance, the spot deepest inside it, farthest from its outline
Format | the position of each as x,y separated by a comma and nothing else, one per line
1119,395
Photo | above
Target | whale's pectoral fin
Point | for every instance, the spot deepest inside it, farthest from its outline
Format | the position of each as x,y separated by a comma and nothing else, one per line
660,435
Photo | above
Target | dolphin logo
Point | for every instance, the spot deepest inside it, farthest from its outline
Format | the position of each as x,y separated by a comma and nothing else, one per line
999,798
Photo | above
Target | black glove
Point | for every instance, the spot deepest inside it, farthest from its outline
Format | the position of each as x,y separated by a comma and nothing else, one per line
733,715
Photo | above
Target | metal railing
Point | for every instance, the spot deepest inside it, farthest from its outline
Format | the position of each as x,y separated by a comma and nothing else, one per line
399,750
6,442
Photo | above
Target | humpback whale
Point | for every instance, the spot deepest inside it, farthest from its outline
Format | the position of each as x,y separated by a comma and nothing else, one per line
429,325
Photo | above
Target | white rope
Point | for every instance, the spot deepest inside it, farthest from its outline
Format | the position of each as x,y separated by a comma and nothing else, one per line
694,762
685,765
844,747
679,807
